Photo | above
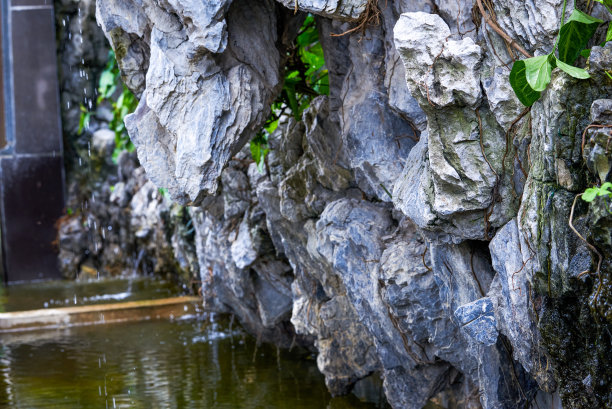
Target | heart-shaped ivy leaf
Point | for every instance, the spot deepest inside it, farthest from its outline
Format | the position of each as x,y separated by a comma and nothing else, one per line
537,71
575,34
589,194
521,87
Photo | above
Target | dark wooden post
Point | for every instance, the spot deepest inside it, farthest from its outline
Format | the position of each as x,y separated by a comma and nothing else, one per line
31,160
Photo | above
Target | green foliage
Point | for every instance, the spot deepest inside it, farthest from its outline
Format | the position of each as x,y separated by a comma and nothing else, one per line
126,104
538,71
84,119
575,34
121,104
518,80
531,76
591,193
259,149
575,72
305,78
305,73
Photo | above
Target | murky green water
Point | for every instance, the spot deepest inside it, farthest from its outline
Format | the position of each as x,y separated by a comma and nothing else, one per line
55,294
189,363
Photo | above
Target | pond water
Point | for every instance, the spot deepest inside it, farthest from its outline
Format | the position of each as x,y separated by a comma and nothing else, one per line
194,362
55,294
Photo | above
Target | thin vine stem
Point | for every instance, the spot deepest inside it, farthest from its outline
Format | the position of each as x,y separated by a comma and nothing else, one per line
562,22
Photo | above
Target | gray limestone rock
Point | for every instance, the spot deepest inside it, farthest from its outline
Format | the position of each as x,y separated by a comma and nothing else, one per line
463,175
596,146
477,319
340,9
202,98
533,26
512,296
377,138
413,222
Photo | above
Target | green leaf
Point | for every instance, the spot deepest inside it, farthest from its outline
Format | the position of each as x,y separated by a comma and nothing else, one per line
262,160
609,33
259,150
575,34
293,100
271,127
521,87
537,71
586,53
604,189
255,149
84,121
575,72
589,194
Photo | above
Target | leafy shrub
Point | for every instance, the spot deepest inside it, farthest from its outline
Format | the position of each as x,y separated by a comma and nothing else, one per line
305,78
121,104
531,76
591,193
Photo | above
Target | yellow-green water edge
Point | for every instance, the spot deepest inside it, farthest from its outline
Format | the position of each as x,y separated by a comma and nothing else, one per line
189,363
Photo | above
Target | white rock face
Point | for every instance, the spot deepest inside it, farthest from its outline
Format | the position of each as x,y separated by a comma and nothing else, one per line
444,75
201,98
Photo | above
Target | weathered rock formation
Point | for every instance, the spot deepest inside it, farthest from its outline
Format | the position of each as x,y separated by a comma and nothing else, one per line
415,221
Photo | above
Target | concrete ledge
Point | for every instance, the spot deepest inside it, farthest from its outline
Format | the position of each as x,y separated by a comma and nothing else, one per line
51,318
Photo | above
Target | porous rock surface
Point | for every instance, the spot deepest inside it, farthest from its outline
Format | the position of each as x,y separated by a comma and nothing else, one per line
414,223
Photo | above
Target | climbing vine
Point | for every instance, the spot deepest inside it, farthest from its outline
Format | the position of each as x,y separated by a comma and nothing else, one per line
122,103
531,76
306,77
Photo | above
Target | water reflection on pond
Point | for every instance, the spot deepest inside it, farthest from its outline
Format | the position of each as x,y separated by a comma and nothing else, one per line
56,294
160,364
